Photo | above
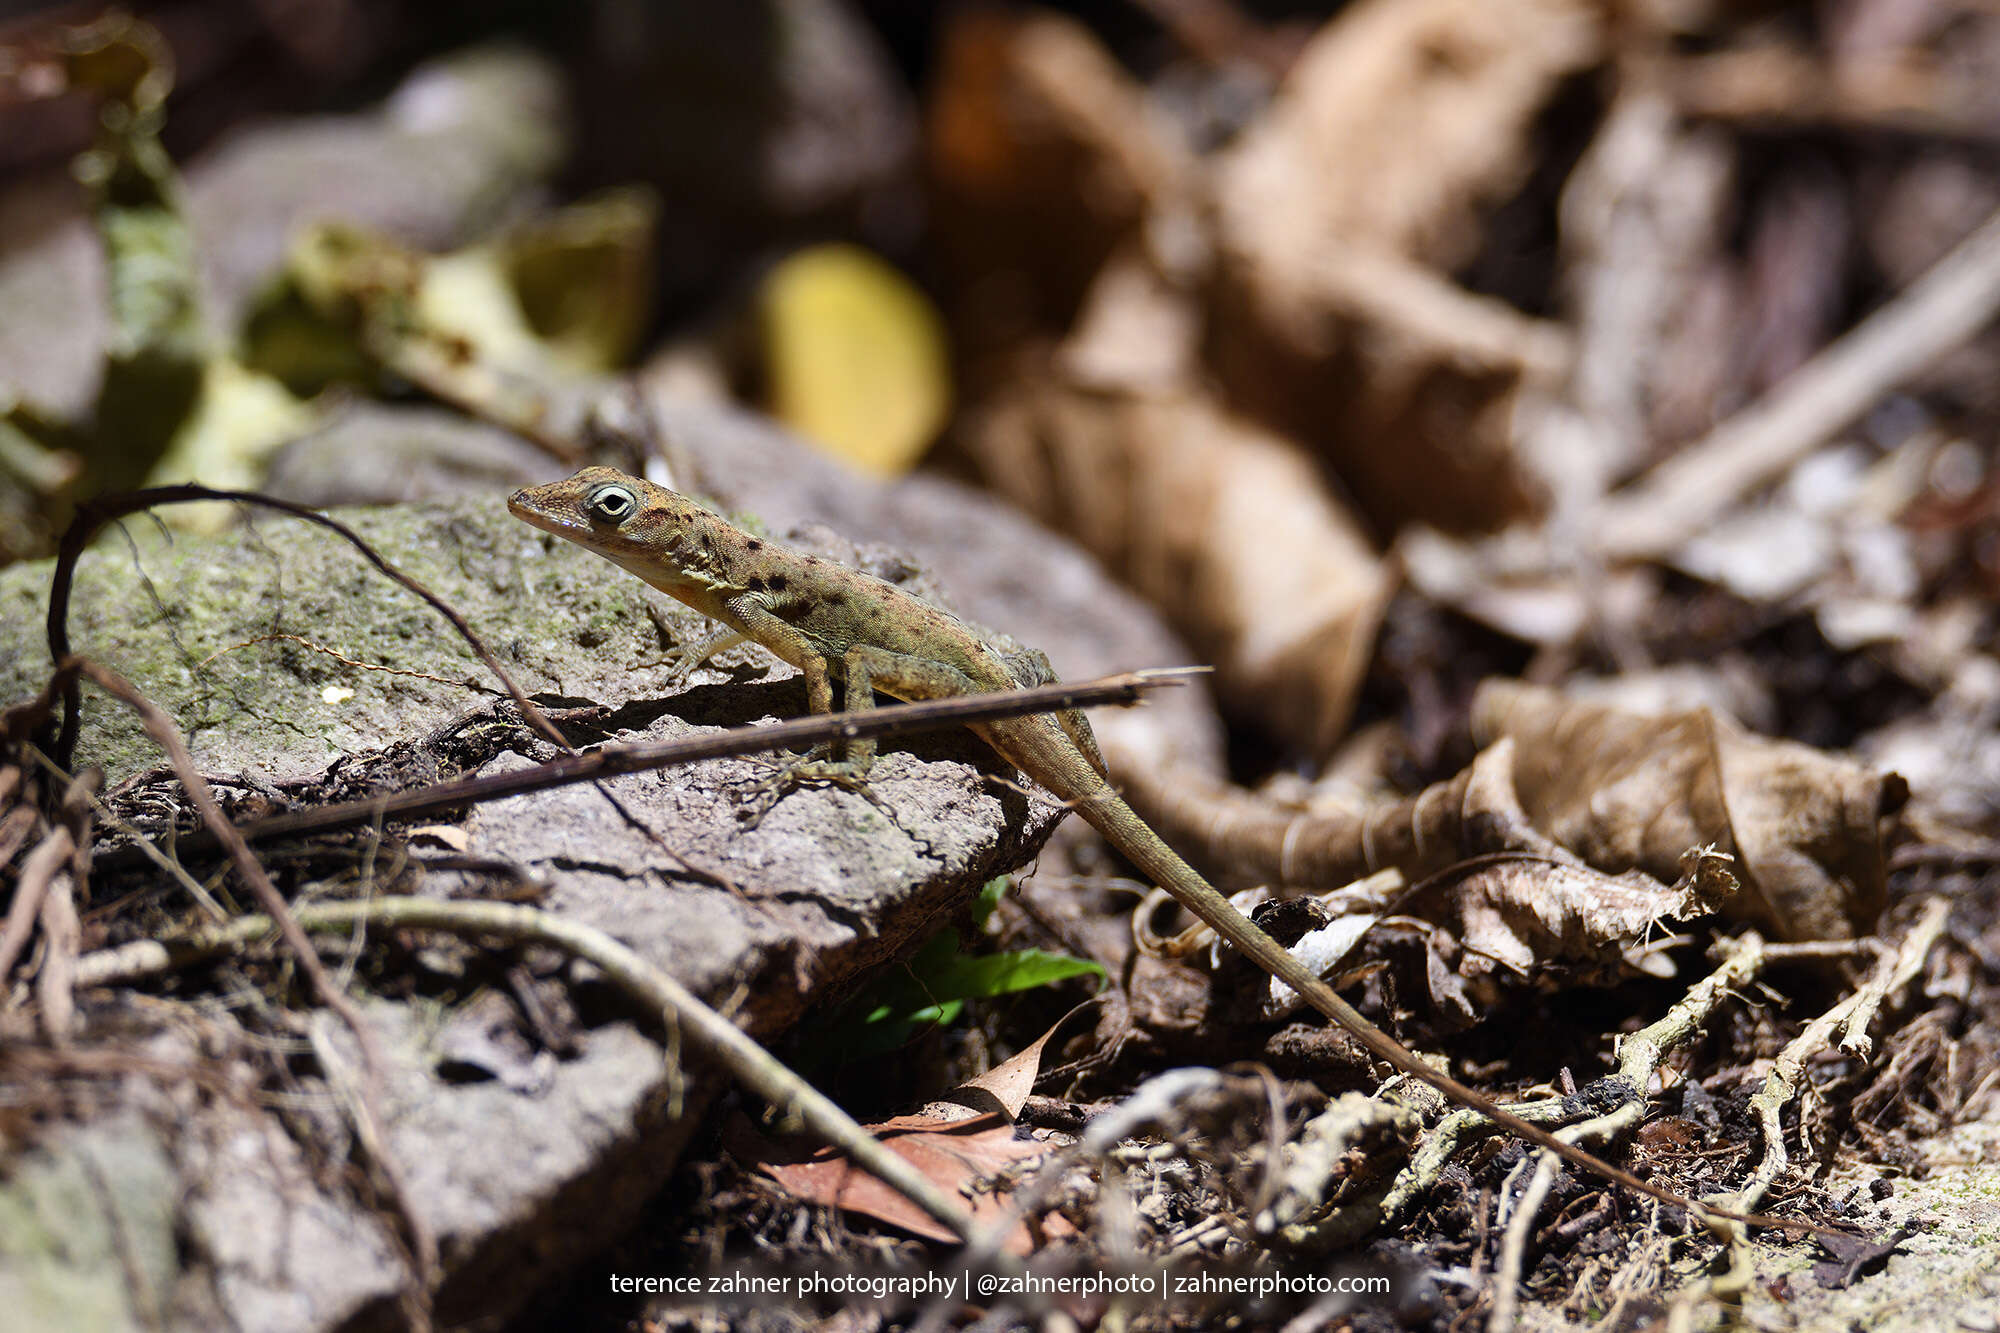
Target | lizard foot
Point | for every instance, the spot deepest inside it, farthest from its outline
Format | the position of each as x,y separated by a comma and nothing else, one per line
790,774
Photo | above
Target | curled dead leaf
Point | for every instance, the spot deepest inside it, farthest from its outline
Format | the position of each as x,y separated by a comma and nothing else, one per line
1622,790
1580,782
1398,121
1005,1086
1333,1176
1502,922
1505,923
1247,836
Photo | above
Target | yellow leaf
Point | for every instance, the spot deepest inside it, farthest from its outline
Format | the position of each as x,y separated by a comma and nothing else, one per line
855,356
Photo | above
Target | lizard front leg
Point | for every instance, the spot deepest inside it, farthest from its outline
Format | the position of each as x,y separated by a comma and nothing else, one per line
903,675
865,669
843,762
686,658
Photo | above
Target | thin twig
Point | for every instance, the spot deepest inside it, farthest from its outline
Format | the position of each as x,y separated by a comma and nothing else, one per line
1891,972
167,864
1954,300
41,867
616,760
1850,1018
1506,1282
1640,1057
62,932
15,828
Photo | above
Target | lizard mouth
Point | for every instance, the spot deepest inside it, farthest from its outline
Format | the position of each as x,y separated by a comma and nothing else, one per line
521,506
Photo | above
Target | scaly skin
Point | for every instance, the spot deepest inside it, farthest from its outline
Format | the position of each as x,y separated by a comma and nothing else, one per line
832,622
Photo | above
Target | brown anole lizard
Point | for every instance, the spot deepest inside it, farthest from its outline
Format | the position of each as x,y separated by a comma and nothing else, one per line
837,624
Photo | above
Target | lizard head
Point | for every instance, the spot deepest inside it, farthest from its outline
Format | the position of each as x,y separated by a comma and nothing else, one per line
647,529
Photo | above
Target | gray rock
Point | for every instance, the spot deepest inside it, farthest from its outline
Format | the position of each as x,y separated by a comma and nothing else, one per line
522,1178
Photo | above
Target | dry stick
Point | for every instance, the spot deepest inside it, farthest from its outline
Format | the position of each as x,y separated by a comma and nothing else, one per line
15,828
423,1245
679,1008
1949,304
1891,972
1637,1063
1506,1308
96,513
1851,1018
62,932
36,873
1639,1056
615,760
1639,1059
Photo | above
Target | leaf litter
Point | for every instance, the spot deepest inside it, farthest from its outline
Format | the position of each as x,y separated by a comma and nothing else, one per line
1482,312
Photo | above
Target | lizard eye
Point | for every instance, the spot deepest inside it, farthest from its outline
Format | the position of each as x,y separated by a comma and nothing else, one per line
613,504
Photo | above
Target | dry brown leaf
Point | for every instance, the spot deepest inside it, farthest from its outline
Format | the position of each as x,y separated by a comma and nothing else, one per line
1138,330
1473,819
1221,524
1408,384
955,1155
1335,215
1622,790
1008,1084
1042,156
1500,905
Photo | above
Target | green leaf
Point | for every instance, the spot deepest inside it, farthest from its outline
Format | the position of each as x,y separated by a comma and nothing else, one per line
1003,973
930,991
990,894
